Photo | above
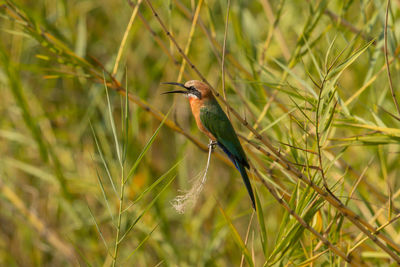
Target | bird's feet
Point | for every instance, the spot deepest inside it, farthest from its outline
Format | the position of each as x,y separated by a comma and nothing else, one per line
212,144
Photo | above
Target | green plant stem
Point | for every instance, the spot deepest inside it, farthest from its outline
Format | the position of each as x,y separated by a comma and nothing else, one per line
317,135
121,201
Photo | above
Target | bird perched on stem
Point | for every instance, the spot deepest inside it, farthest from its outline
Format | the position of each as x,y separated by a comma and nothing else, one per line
212,120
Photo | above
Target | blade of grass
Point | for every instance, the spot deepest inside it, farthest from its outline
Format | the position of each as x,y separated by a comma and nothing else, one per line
147,146
152,186
98,230
261,223
237,237
103,159
112,123
125,37
141,243
146,209
104,196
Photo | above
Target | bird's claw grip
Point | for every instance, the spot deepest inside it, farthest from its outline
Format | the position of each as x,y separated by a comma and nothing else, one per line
212,144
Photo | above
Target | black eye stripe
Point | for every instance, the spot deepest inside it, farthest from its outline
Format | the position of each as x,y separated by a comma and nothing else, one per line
198,94
195,92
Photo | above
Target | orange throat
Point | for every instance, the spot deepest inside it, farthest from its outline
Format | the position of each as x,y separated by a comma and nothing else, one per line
196,104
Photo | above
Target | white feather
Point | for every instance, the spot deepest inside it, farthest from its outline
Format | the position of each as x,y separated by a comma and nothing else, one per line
192,95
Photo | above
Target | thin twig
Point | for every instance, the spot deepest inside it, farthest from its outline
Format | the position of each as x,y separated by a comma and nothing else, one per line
353,189
223,54
123,42
348,25
247,237
377,213
189,41
317,134
392,115
274,28
216,48
387,60
395,218
372,79
299,148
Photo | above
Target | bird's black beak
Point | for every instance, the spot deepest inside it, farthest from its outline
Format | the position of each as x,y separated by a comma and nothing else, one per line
177,91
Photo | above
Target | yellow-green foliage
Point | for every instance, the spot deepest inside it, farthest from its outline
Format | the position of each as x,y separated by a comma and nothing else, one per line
92,154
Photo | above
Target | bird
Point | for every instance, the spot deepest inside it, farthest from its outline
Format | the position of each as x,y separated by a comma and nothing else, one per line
212,121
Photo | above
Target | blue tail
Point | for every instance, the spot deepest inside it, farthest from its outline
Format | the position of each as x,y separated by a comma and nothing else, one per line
242,169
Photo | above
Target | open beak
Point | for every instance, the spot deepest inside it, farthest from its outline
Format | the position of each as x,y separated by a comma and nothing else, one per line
177,91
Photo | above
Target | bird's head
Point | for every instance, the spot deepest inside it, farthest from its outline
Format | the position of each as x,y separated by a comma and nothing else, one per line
195,90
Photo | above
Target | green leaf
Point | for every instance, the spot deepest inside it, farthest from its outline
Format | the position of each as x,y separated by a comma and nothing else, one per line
152,186
142,242
297,78
103,160
337,71
146,147
261,223
147,208
237,237
104,196
112,123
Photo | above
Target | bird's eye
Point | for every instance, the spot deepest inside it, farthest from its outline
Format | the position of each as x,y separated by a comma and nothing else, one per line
193,91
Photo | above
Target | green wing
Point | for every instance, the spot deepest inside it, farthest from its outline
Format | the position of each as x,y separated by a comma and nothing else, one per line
215,120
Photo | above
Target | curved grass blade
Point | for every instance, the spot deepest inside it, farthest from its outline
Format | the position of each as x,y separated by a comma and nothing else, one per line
152,186
237,238
103,159
261,223
112,122
146,147
145,210
142,242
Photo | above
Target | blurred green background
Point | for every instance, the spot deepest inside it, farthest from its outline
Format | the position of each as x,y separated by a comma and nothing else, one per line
86,179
